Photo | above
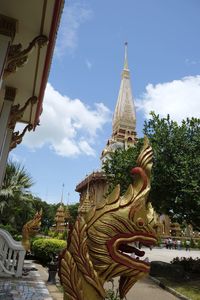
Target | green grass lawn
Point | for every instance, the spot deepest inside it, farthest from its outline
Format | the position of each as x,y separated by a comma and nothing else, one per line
190,288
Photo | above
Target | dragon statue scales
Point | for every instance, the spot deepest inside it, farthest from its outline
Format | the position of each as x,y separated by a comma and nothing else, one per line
100,243
30,229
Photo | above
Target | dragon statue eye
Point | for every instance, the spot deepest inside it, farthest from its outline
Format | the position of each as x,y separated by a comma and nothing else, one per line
140,222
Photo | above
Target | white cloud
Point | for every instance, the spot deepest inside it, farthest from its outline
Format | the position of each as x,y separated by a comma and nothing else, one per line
73,16
68,126
86,148
88,64
16,158
178,98
191,62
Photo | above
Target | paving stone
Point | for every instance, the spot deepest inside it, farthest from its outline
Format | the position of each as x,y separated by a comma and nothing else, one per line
30,287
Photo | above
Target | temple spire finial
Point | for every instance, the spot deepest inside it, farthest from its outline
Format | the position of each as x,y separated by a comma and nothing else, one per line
126,56
61,200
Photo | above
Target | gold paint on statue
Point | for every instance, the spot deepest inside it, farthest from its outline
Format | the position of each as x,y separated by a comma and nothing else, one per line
99,243
30,229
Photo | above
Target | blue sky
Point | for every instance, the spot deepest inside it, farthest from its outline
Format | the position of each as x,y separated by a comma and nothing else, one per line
164,60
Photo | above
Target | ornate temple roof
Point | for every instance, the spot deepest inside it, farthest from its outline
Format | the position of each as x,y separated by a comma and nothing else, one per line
124,115
94,176
124,118
86,205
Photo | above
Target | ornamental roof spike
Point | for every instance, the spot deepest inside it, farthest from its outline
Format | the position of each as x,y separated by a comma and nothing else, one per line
126,56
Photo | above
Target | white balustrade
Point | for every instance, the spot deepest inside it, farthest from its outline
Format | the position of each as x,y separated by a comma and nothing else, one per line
12,255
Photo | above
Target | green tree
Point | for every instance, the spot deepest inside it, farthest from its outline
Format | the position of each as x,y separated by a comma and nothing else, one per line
48,212
18,205
73,210
175,177
175,174
118,167
15,207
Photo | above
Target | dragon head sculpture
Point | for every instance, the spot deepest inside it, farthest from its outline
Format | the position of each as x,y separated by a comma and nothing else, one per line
30,229
104,244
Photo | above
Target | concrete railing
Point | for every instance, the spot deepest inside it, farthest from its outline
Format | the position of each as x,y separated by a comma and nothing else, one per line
12,255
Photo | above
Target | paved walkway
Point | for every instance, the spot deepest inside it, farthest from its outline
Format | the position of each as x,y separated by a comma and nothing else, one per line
147,289
29,287
167,255
34,285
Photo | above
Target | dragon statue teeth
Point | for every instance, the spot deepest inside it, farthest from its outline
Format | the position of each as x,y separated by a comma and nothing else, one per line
102,244
30,229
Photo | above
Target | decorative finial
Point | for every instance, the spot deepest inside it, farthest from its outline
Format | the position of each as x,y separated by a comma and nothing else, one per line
68,197
126,56
61,200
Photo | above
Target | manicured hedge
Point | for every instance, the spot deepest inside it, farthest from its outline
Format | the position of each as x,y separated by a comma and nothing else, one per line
45,249
191,265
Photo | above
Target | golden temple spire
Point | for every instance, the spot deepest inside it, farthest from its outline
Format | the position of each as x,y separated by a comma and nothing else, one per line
125,72
124,118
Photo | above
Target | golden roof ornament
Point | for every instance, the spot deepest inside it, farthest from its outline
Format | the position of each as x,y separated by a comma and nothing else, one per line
86,205
30,229
126,56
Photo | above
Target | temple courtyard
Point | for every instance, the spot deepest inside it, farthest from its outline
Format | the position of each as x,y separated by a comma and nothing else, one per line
34,286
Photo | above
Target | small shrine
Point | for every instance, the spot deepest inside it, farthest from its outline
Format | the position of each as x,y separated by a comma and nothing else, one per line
62,217
60,225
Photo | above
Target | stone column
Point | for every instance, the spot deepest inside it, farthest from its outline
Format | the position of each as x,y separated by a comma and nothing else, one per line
5,113
7,33
4,155
5,132
4,42
9,97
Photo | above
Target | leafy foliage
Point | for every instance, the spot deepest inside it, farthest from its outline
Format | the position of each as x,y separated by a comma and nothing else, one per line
189,264
176,181
44,249
15,206
48,212
73,210
112,293
8,228
119,165
18,205
175,174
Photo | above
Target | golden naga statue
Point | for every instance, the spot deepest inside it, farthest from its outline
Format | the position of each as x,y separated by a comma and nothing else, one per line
101,242
30,229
